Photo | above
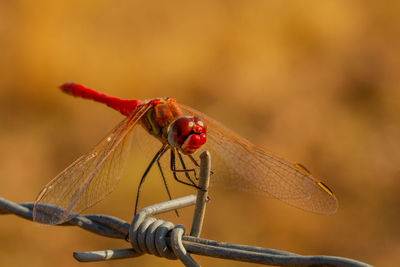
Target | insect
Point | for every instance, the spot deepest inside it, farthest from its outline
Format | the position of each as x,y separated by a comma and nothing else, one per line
183,132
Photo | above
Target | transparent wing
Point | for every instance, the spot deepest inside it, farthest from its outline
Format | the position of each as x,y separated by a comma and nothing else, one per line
251,168
89,179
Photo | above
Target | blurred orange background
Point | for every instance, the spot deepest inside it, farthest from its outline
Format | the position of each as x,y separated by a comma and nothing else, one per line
316,82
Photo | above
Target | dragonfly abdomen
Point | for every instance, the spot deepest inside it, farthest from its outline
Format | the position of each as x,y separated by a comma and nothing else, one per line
126,107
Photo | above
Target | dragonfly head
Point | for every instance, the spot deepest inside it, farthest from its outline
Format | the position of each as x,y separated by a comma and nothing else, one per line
187,134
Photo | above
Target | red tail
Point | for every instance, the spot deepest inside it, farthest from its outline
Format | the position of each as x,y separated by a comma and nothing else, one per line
126,107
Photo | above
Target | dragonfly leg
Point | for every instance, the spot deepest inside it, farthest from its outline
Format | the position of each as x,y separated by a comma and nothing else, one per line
165,181
194,161
175,171
160,152
187,171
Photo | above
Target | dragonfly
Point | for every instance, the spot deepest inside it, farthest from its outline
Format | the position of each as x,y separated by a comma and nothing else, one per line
183,131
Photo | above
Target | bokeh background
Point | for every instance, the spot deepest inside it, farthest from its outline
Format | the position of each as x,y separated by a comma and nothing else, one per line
317,82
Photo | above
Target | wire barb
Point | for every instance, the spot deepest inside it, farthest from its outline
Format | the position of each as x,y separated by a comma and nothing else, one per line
164,239
202,198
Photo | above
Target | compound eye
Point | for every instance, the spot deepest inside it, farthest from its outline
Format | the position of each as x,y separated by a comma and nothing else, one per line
180,130
188,134
201,126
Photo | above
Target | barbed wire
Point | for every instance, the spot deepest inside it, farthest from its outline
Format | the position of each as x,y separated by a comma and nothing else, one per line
113,227
163,239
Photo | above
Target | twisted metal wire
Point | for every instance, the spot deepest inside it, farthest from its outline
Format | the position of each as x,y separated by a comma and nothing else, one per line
113,227
163,239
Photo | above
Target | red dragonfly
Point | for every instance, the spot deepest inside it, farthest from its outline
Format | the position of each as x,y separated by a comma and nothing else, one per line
184,132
